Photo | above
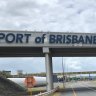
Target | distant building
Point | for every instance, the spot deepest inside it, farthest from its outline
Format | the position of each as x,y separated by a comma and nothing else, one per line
19,72
7,72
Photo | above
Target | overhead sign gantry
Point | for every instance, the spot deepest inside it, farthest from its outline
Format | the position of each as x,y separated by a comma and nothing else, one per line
46,44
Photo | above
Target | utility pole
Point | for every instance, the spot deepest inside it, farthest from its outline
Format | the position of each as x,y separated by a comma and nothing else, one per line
63,73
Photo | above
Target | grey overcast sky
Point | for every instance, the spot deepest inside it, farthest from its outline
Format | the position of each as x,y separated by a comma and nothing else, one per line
48,15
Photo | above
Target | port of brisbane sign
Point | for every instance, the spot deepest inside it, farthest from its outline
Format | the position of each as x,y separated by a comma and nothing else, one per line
46,39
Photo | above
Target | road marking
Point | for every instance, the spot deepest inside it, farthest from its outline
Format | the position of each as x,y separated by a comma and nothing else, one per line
74,93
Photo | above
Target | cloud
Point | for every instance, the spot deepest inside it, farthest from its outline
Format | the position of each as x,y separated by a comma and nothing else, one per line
80,64
50,3
37,65
27,64
73,64
57,15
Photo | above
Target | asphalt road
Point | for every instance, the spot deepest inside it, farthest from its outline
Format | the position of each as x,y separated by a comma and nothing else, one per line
79,93
80,89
